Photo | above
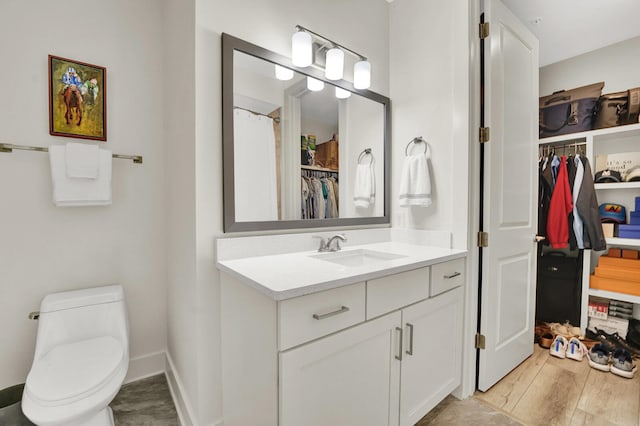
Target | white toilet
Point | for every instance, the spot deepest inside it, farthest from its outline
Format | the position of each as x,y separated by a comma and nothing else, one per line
81,358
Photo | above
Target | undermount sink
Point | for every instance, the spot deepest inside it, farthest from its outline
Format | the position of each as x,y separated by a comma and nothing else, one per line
358,257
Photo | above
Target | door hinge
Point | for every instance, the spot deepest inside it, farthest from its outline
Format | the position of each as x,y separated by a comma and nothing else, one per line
484,30
483,239
480,341
484,134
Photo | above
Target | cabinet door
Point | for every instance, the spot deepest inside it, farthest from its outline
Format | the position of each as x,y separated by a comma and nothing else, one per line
348,378
432,363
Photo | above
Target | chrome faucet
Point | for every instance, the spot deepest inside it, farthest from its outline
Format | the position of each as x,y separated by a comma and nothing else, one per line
337,238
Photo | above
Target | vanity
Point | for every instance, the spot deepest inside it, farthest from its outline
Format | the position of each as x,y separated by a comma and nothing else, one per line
368,335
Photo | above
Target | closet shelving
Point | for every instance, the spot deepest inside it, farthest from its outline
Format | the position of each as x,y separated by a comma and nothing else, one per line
605,141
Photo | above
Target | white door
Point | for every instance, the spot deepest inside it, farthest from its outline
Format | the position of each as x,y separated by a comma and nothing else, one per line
510,192
349,378
431,363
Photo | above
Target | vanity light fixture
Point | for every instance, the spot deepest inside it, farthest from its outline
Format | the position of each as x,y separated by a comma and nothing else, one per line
283,73
341,93
301,49
314,85
302,46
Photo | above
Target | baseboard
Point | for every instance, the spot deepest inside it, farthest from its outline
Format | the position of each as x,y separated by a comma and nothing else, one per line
145,366
185,412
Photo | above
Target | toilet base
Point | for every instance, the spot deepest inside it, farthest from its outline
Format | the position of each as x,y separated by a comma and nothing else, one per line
102,418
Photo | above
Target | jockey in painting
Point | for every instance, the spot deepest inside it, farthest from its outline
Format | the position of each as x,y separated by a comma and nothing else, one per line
71,78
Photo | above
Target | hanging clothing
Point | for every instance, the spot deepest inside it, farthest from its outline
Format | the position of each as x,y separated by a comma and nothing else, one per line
578,225
587,205
559,208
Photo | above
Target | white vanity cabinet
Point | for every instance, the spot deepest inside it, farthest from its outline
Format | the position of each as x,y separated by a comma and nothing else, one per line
380,352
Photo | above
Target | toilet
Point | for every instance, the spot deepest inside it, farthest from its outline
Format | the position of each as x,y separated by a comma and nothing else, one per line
81,358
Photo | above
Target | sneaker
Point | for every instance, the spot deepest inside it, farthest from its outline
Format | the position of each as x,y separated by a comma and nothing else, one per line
622,364
559,347
599,357
576,349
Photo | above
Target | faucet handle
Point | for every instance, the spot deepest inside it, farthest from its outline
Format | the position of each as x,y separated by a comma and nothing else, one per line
323,243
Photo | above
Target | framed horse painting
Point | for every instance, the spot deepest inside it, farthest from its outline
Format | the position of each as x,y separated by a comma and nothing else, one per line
77,99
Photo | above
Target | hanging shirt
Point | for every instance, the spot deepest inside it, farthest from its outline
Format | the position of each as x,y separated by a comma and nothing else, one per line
578,227
559,208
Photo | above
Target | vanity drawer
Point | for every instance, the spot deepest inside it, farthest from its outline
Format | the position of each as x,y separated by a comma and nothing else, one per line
446,275
308,317
395,291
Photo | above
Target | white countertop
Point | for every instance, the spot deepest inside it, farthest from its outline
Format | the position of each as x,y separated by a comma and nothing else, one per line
283,276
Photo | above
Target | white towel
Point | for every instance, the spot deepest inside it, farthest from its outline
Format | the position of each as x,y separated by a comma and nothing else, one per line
364,190
415,183
81,160
79,191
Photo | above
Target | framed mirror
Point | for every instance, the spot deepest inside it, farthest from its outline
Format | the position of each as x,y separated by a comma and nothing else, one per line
296,157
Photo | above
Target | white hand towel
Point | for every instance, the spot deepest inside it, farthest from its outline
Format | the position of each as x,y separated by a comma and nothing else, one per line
81,160
79,191
364,190
415,183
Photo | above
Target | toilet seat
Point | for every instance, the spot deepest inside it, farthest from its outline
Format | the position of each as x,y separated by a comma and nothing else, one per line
73,371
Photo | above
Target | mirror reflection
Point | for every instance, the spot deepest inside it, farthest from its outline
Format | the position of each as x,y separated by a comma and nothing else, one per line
306,152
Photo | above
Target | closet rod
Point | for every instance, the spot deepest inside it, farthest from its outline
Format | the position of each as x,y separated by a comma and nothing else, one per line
276,119
7,147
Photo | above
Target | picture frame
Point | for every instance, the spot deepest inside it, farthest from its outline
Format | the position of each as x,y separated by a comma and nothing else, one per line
77,99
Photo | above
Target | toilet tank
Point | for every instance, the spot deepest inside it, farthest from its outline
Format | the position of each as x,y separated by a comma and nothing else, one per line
76,315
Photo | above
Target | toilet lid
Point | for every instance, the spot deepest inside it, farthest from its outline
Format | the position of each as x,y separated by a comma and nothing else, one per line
70,371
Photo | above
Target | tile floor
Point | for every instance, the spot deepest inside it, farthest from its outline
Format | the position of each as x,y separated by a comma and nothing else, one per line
146,402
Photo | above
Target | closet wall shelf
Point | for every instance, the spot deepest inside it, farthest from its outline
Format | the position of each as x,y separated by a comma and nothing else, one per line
7,147
623,242
320,169
601,134
617,185
613,295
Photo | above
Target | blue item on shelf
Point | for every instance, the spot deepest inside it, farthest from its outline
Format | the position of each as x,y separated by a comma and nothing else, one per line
638,204
634,218
629,231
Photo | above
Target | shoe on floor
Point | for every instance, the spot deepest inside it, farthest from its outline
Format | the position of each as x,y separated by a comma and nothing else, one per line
576,349
559,347
546,340
599,357
622,364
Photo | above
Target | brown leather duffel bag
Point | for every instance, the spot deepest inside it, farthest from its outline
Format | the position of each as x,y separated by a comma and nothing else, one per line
618,109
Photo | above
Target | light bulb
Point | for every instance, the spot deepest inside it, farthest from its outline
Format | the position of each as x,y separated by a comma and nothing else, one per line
362,75
314,85
283,73
301,49
341,93
334,64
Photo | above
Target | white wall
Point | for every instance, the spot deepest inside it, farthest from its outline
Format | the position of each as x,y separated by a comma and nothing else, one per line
429,93
44,248
617,65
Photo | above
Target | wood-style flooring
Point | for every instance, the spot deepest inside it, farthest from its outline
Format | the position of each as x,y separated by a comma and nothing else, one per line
546,390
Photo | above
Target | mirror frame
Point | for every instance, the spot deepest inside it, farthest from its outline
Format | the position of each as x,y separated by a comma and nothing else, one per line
231,44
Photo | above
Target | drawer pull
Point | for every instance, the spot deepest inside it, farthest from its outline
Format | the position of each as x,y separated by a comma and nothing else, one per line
410,350
330,314
455,274
399,357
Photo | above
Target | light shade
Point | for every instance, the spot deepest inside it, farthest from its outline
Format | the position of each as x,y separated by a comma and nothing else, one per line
341,93
362,75
301,49
314,85
334,64
283,73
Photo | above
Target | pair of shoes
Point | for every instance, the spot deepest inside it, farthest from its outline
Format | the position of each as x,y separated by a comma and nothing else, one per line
619,363
613,340
573,348
567,330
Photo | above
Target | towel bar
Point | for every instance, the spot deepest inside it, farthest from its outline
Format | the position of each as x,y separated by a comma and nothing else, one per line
7,147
